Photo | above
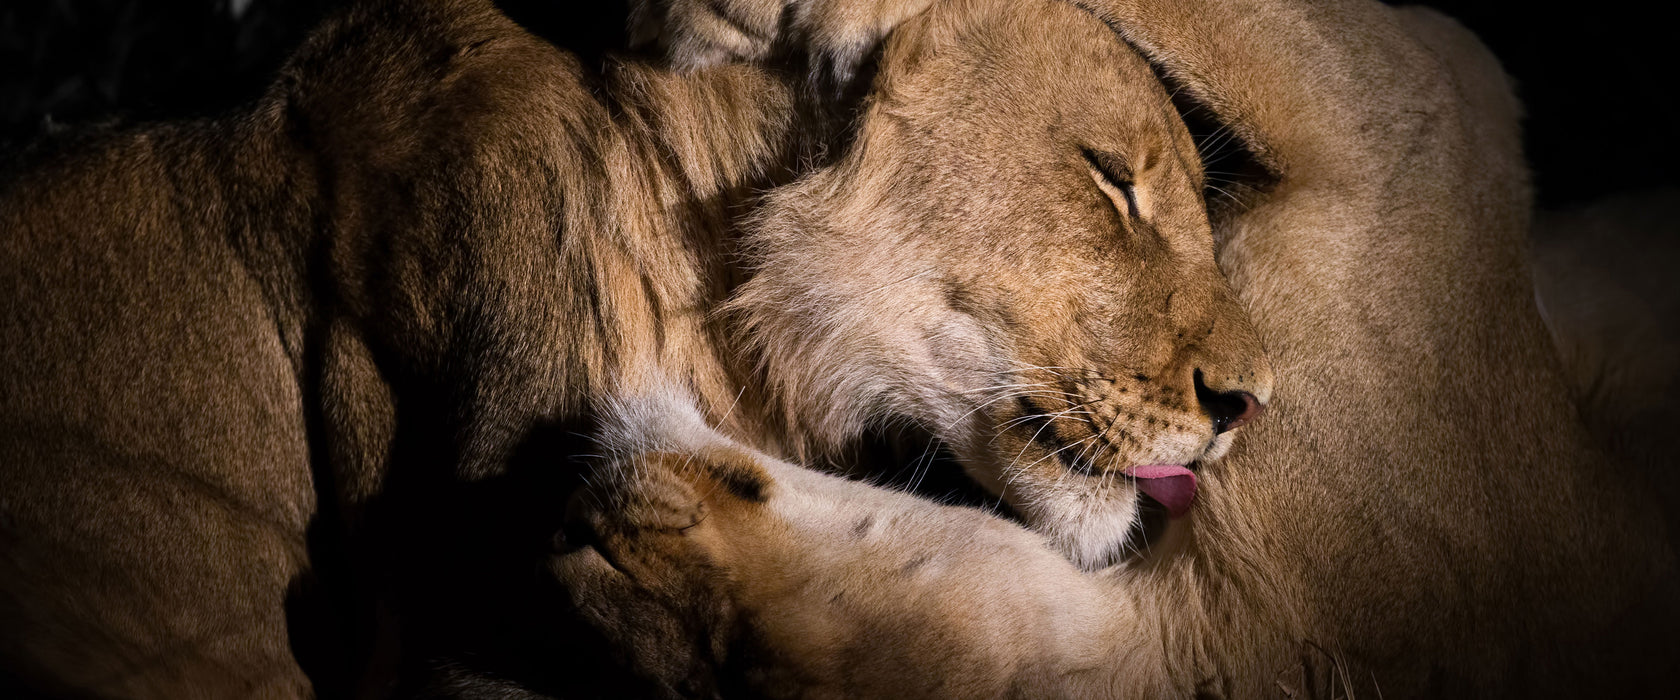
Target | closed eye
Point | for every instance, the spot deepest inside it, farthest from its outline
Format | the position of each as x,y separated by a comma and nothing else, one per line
1115,175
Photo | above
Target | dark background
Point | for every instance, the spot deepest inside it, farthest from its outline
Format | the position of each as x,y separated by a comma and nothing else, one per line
1597,80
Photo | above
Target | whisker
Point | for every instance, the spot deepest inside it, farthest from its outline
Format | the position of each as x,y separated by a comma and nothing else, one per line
986,403
1060,450
1002,386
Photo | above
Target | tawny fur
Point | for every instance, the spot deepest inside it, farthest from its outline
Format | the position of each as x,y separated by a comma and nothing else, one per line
436,244
971,272
432,237
1421,513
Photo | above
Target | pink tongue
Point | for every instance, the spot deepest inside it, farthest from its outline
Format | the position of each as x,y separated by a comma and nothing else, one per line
1172,485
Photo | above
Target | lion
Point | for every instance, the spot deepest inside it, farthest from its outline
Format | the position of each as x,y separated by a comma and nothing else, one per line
428,244
288,393
1114,359
1421,513
875,296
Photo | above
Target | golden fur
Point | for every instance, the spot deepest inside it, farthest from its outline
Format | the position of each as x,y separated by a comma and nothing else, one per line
972,272
323,354
1421,513
430,241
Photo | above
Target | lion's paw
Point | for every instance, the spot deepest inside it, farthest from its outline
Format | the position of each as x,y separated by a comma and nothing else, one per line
643,560
834,36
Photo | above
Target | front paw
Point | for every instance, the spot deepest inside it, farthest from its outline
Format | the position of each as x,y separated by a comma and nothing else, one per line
833,37
643,561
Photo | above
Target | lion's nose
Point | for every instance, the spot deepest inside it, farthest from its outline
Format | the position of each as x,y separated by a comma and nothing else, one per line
1228,409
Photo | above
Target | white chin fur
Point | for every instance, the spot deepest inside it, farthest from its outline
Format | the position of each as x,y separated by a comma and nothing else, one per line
1091,534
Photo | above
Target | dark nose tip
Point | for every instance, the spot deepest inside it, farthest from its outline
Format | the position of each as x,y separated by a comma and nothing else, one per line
1228,409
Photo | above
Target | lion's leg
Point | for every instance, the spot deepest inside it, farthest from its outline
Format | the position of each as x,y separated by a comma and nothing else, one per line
711,566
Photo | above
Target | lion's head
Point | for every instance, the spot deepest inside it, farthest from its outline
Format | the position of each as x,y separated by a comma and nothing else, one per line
1014,254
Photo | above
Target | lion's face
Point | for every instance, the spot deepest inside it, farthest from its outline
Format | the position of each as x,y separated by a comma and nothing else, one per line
1015,255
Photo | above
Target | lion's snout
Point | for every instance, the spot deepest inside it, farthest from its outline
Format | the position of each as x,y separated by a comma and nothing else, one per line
1229,409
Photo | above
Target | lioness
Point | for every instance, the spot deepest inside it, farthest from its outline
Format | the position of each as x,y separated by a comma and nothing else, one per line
428,244
1033,282
1421,514
285,389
